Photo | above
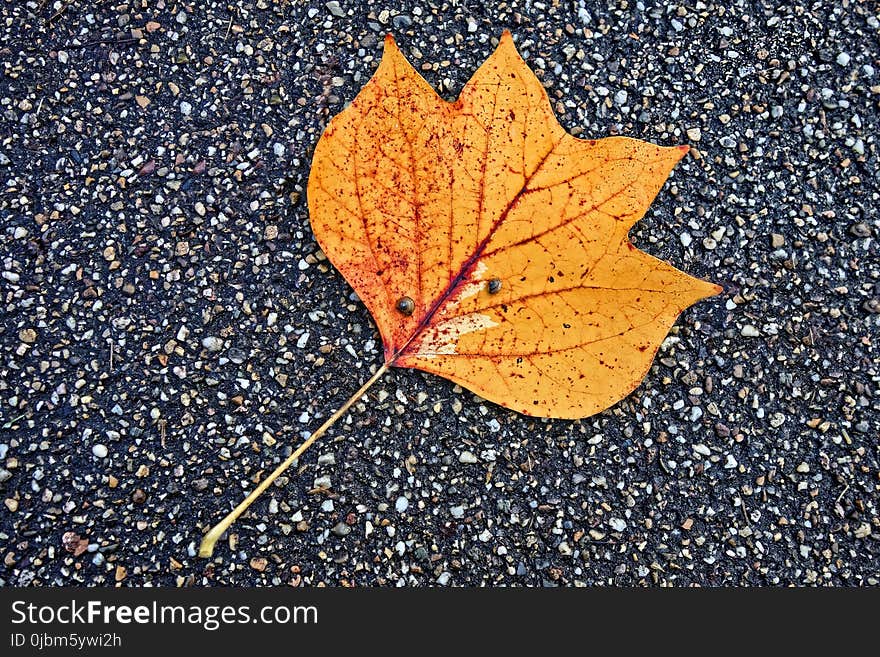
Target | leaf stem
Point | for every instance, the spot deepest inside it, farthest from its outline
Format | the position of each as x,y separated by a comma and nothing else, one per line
206,549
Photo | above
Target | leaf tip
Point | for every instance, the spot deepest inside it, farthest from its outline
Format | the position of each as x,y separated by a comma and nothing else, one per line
505,42
390,42
708,289
683,149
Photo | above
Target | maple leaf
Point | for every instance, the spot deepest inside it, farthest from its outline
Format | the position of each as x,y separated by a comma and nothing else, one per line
489,245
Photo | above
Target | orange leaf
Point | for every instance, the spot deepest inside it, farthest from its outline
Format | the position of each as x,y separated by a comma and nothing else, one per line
491,246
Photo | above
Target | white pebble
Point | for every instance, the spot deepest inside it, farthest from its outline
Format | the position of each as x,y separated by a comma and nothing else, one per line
334,8
401,504
749,331
100,450
701,449
467,457
212,343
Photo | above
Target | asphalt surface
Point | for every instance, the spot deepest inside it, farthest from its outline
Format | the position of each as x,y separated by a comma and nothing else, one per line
170,328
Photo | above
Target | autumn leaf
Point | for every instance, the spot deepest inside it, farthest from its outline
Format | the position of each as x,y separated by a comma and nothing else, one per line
489,245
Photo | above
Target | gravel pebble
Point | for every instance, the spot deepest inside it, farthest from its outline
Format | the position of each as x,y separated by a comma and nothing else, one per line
467,457
334,8
341,529
212,343
617,524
